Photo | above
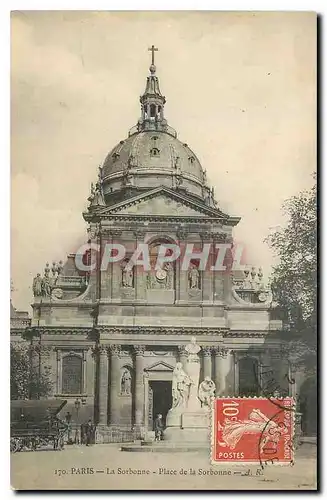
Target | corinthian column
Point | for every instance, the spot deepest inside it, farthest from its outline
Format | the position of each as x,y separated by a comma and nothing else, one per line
224,372
206,362
103,386
139,385
114,384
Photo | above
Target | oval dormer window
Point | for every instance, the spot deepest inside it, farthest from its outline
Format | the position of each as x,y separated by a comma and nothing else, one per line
154,152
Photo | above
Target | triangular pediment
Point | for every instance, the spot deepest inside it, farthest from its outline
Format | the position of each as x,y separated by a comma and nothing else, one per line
160,366
163,202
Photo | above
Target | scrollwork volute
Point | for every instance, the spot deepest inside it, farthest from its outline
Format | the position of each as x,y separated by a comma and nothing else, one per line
206,351
139,350
115,350
139,233
222,352
181,350
103,350
182,234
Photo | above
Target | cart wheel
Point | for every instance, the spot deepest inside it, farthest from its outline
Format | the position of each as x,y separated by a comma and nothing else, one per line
14,445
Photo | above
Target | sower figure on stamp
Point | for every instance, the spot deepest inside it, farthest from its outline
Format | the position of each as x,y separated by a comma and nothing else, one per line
158,428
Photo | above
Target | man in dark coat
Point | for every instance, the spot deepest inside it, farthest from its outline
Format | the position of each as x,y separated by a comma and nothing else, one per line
88,430
158,428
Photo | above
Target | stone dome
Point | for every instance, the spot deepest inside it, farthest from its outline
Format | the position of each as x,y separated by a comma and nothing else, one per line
152,158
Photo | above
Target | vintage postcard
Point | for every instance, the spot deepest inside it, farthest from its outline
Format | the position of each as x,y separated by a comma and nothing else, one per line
163,281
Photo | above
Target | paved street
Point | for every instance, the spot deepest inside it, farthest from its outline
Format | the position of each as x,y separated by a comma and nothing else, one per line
63,470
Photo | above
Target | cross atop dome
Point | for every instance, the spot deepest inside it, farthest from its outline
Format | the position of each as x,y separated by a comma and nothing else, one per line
153,102
153,68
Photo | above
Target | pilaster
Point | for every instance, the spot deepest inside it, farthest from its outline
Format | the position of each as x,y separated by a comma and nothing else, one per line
103,385
114,408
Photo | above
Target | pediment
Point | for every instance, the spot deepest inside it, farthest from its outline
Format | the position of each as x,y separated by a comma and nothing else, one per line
160,366
162,202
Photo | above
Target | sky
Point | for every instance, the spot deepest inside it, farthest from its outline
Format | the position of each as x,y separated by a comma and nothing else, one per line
240,90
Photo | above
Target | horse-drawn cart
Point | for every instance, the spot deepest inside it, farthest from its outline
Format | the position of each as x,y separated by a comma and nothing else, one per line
35,424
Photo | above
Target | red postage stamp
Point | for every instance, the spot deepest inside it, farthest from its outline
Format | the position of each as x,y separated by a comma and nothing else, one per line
253,430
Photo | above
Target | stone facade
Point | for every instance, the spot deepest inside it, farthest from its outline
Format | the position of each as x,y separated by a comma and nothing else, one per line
112,337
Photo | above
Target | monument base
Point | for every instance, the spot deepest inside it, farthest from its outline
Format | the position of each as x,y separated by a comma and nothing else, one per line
190,427
185,432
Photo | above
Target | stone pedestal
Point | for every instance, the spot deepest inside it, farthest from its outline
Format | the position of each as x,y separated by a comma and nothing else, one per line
189,427
188,422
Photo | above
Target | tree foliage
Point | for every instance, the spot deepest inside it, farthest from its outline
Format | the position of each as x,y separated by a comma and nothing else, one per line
25,380
294,278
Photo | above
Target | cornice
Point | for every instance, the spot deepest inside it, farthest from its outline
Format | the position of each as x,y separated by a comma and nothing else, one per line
155,330
58,330
166,218
160,330
246,334
170,193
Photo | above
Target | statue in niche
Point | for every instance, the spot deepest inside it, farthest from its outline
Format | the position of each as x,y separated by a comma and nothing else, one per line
194,277
126,383
180,387
37,285
169,269
207,391
127,275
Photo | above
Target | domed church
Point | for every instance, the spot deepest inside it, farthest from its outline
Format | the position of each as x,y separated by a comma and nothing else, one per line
111,336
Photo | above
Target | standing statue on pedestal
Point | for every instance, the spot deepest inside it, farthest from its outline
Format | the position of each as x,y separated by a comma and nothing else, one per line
46,286
187,420
207,391
180,387
37,285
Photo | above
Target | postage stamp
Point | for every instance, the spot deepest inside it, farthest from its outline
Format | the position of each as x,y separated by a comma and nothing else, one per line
253,430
